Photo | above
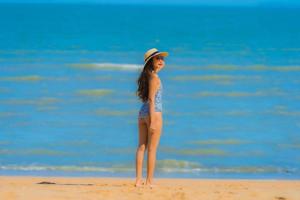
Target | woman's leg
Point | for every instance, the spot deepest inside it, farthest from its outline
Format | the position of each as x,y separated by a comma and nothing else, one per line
143,132
153,141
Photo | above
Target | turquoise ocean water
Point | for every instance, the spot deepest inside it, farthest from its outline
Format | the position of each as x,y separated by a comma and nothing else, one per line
231,89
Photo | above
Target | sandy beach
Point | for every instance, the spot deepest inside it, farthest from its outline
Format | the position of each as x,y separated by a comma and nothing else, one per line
58,188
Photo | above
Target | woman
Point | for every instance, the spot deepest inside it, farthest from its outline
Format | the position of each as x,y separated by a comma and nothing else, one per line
150,115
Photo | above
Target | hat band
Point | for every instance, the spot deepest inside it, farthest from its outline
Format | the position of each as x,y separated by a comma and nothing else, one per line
152,55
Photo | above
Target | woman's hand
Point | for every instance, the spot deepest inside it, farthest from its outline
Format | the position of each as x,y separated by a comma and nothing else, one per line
152,126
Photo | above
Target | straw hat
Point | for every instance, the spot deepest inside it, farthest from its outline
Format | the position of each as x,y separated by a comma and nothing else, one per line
151,53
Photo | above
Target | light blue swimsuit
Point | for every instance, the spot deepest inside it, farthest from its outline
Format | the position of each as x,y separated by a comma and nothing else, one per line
144,111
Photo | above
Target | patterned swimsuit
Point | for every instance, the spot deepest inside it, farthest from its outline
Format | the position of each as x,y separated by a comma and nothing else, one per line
144,111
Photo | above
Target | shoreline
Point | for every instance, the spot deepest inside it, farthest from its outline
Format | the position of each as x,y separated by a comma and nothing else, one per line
158,174
118,176
33,187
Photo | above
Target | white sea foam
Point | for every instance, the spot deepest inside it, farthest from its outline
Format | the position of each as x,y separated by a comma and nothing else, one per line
56,168
118,66
167,169
112,66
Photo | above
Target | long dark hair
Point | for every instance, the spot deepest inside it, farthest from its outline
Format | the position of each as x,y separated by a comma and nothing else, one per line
143,81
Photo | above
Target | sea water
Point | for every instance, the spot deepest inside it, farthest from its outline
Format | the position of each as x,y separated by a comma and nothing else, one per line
231,89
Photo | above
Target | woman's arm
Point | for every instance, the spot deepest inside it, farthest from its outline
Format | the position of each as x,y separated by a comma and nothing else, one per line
153,86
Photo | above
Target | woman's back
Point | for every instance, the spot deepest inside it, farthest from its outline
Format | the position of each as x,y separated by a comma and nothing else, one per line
144,111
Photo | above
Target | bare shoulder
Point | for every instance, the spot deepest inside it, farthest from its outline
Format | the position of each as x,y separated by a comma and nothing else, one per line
154,79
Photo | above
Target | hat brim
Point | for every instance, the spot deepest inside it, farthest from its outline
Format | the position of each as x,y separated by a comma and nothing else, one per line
163,53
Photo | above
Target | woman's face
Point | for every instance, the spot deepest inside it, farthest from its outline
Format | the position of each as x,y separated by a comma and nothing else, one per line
158,62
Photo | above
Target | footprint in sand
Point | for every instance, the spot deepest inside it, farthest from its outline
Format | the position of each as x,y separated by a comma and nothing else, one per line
280,198
52,183
46,182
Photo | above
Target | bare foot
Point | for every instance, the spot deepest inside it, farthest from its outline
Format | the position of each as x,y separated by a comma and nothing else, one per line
138,183
151,185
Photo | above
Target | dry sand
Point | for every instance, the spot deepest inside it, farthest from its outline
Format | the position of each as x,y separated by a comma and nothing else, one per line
85,188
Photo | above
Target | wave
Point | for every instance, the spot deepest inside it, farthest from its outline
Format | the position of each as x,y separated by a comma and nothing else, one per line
42,101
219,142
109,66
95,92
22,78
240,94
43,152
55,168
167,166
215,77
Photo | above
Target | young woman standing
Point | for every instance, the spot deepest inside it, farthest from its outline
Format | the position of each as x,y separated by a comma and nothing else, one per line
150,119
